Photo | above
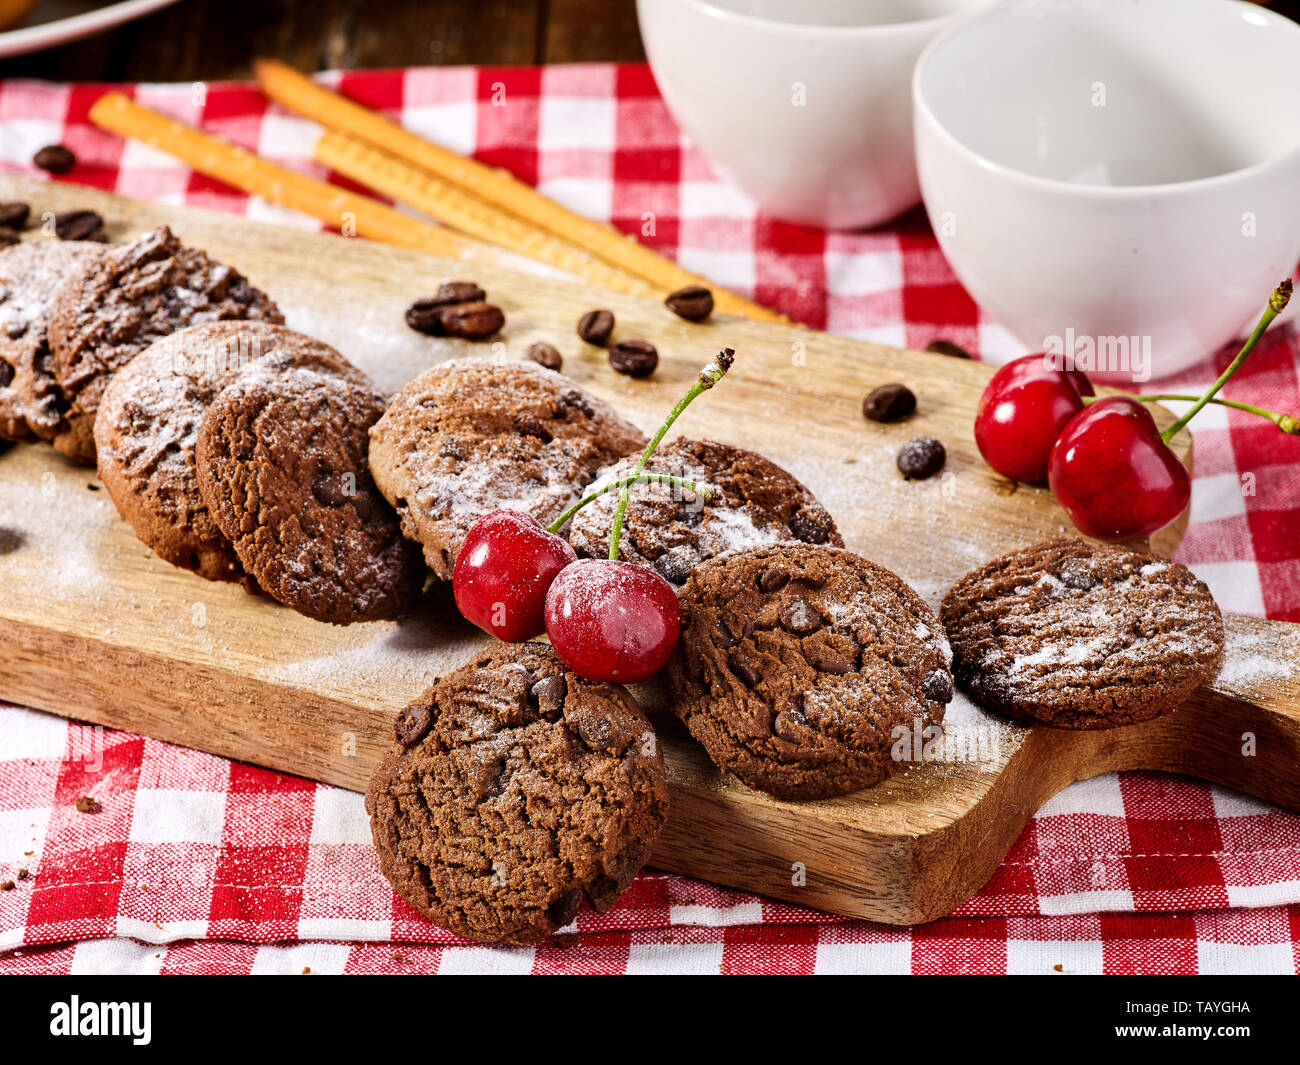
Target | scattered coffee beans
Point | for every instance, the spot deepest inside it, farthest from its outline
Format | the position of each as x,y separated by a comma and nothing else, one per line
545,354
694,303
889,403
595,327
14,215
947,347
459,309
79,225
55,159
635,358
921,458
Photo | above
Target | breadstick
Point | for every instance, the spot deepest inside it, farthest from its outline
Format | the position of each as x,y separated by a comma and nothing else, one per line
300,94
452,207
241,168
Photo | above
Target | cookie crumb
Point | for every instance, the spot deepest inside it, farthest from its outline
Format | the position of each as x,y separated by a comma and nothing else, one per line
23,874
87,805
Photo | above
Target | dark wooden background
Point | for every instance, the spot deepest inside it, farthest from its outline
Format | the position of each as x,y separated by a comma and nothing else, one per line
209,40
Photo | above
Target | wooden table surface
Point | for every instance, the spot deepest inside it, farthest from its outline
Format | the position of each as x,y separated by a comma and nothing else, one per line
209,40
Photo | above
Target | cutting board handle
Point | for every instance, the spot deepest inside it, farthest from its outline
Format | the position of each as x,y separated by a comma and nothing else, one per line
1241,730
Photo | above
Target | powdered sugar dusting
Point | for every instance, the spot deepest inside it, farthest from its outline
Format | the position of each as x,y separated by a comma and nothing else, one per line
1254,656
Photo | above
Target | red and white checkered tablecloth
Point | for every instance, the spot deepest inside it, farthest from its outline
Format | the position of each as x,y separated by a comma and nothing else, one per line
198,864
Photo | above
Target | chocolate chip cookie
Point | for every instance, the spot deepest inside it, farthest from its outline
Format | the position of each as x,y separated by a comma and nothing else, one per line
117,305
32,406
469,436
281,460
672,530
515,789
1082,636
148,424
797,663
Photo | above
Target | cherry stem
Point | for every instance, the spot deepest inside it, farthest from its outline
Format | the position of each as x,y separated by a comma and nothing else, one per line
703,490
1288,423
1276,304
709,376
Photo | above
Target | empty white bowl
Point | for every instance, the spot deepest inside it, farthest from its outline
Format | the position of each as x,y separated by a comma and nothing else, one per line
804,104
1115,175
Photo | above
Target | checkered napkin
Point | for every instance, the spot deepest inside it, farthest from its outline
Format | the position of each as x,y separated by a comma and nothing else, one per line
197,864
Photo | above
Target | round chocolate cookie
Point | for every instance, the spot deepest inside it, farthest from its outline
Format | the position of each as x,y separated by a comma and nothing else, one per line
118,304
514,790
797,662
148,423
281,460
672,530
32,406
469,436
1082,636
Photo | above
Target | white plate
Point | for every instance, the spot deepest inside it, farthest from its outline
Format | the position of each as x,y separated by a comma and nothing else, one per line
55,22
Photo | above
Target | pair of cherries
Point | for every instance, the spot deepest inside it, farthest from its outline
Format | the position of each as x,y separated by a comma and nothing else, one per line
1106,461
607,619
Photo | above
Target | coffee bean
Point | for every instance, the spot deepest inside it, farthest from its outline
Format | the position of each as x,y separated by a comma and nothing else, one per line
55,159
545,355
79,225
921,458
937,686
9,237
724,637
528,424
694,303
947,347
14,215
412,723
889,403
425,316
549,694
748,675
595,327
799,616
472,321
451,292
811,525
635,358
772,579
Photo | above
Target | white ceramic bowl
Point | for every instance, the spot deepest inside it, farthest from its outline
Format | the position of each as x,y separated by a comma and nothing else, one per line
1120,173
805,104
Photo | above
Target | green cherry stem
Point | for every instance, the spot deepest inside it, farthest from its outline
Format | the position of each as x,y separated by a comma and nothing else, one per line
1276,304
703,490
709,376
1288,423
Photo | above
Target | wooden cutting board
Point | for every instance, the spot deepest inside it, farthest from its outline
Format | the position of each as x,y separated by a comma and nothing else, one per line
94,627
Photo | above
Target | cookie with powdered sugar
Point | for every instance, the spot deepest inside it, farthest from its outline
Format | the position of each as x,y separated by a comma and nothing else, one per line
1082,636
470,436
672,530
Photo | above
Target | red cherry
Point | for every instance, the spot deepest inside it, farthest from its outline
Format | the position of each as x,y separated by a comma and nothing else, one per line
1022,411
612,621
1114,474
503,571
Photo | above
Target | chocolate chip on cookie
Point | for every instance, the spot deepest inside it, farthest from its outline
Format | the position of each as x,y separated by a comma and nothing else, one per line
797,662
32,406
148,424
1082,636
281,460
469,436
116,305
672,530
525,791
